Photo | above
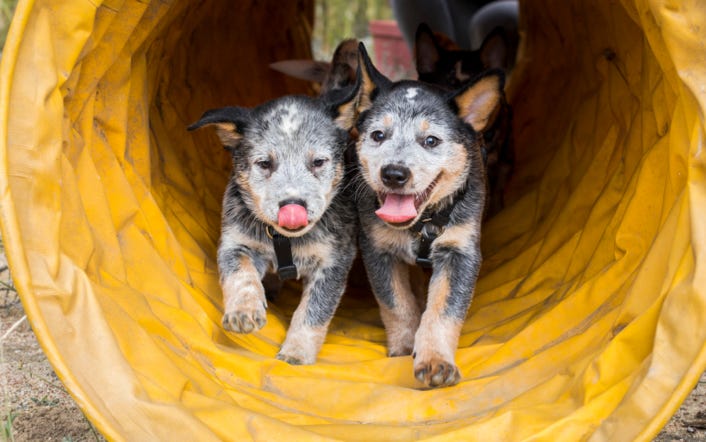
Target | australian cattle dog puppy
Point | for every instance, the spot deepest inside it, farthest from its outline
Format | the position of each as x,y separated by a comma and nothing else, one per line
420,201
440,64
439,61
340,73
285,207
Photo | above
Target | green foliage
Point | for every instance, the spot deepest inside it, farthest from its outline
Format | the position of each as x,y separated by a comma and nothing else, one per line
6,424
7,8
336,20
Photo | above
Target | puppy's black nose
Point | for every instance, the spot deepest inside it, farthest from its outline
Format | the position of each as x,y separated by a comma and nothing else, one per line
395,176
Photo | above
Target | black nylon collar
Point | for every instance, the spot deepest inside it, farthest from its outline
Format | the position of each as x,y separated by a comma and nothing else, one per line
283,250
429,227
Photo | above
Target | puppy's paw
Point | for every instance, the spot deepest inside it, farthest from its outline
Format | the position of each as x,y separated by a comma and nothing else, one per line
244,303
436,372
245,318
400,340
295,357
394,352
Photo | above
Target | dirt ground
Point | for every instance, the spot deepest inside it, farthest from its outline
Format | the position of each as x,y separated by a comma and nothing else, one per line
35,406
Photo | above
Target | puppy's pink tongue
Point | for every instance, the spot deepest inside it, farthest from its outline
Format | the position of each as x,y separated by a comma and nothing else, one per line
397,208
292,216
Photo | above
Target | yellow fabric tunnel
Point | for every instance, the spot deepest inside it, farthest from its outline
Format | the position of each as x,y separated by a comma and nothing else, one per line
589,319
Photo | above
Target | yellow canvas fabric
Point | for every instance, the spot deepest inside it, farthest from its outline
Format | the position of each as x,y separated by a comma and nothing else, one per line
589,318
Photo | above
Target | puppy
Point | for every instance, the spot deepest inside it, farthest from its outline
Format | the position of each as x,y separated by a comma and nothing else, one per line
451,68
439,62
285,207
340,73
421,200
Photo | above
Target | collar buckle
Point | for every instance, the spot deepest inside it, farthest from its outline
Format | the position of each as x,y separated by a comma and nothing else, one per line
430,231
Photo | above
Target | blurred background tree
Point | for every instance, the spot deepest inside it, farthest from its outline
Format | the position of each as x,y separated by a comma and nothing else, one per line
336,20
7,8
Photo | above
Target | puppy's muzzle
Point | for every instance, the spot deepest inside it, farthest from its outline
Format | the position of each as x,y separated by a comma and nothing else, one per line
395,176
297,202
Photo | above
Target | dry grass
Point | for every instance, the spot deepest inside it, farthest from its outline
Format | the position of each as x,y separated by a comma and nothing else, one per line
35,405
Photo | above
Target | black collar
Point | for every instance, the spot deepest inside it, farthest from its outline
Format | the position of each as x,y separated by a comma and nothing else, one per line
429,227
283,250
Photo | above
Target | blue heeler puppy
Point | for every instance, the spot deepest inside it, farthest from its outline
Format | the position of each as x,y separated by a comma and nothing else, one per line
284,207
420,201
452,69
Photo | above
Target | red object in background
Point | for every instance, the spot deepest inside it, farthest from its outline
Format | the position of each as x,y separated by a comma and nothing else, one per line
392,56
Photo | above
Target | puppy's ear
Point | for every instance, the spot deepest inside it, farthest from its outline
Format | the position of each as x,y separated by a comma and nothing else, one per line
494,52
427,52
370,79
347,104
478,102
310,70
342,105
343,68
228,121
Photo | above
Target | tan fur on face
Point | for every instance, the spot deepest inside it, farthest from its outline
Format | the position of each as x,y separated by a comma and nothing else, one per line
424,126
336,181
363,163
452,176
337,178
244,184
387,120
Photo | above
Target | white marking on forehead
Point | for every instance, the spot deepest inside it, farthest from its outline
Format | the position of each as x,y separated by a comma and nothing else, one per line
291,119
411,93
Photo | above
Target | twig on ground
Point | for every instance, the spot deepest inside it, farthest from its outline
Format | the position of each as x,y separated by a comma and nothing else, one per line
11,329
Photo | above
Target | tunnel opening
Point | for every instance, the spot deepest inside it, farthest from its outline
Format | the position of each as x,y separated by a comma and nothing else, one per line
112,217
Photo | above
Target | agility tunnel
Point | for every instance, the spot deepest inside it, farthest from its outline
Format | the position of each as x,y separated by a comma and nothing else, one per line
589,320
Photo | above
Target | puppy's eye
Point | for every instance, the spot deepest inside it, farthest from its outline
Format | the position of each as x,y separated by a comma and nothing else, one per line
264,164
431,141
378,136
318,162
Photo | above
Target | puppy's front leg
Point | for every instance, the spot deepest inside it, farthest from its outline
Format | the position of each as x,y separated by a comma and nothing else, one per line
307,331
456,261
243,295
389,278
